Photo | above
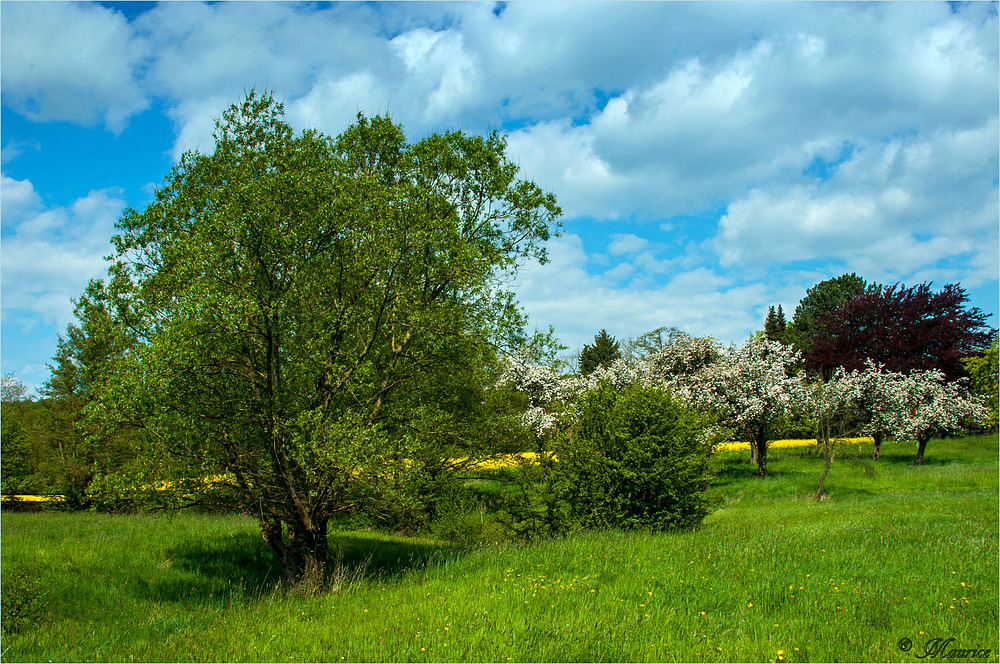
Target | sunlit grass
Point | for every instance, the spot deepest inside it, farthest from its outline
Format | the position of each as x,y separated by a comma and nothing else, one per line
893,551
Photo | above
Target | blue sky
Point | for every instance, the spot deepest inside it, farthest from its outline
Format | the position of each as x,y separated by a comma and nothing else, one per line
711,159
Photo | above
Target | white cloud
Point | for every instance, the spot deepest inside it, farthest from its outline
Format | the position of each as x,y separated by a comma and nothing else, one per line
711,126
893,209
561,158
48,254
700,301
17,198
195,123
333,104
626,243
73,62
861,136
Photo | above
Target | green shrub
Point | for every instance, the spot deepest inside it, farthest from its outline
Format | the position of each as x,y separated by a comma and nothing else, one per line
535,509
23,600
635,458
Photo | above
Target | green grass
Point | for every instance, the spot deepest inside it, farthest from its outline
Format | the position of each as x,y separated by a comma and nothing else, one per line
771,575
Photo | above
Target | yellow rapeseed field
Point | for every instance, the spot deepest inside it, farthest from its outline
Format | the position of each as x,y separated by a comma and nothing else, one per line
496,463
779,444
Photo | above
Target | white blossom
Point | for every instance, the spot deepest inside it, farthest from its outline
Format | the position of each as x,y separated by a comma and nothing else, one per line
833,404
753,386
925,404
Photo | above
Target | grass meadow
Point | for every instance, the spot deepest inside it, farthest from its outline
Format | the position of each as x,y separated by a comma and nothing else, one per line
893,552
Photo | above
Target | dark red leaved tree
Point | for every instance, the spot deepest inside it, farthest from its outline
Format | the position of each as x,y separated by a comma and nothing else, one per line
905,329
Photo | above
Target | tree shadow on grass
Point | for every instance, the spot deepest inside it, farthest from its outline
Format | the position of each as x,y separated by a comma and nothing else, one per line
239,567
386,556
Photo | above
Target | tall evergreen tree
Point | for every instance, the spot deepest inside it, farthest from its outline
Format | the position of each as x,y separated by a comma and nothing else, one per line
602,353
775,326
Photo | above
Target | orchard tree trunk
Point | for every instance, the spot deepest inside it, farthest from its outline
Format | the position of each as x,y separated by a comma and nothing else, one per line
760,443
921,446
878,444
819,489
302,551
828,452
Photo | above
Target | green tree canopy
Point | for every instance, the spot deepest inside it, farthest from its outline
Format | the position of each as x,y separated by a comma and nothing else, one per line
820,300
984,377
15,448
308,311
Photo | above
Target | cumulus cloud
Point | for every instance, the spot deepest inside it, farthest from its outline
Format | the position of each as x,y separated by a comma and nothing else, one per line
85,71
49,253
893,209
626,243
567,294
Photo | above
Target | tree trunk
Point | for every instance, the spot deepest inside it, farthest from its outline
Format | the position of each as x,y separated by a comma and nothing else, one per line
921,446
876,448
761,444
828,448
303,555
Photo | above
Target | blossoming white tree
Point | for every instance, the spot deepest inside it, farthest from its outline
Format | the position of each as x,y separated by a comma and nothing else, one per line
674,368
926,405
753,387
756,386
879,401
548,393
833,406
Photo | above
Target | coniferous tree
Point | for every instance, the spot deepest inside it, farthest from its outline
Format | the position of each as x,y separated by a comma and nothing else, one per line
775,325
602,353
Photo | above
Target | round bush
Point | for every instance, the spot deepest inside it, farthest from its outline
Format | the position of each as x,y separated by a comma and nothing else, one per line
636,458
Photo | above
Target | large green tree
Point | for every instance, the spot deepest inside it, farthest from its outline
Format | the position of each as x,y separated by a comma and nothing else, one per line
984,378
820,300
309,313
